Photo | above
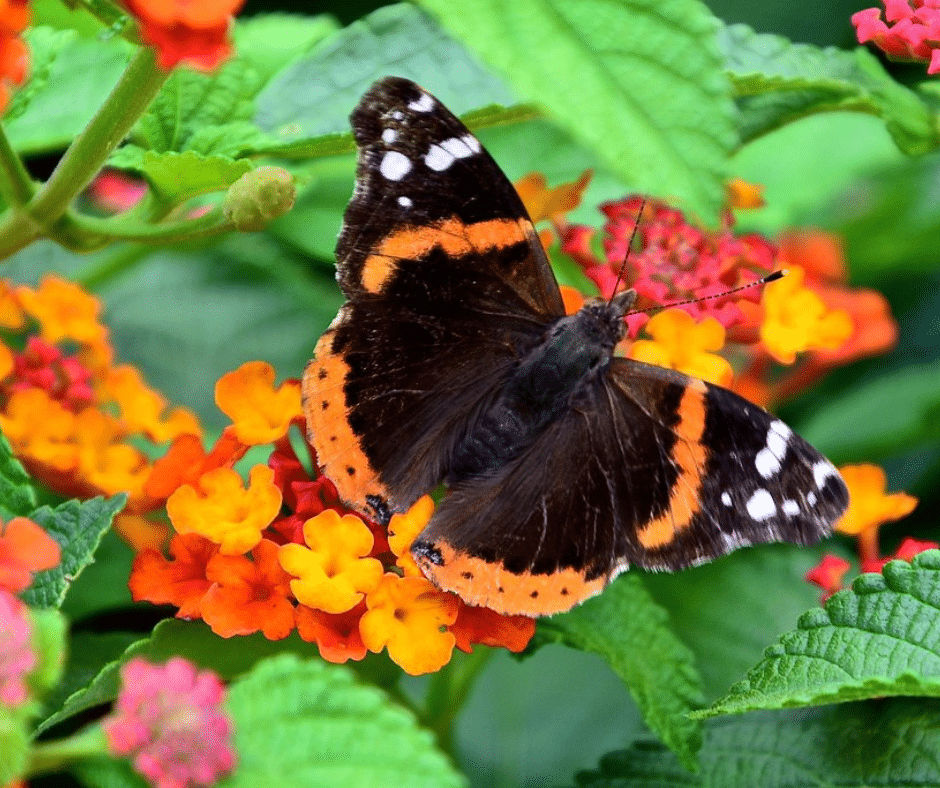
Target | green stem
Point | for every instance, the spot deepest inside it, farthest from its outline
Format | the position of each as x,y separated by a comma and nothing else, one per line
54,755
448,691
16,185
122,229
85,156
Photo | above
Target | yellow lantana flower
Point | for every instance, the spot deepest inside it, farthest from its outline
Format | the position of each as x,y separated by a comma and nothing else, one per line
64,310
259,412
333,571
225,512
409,616
402,530
682,344
797,320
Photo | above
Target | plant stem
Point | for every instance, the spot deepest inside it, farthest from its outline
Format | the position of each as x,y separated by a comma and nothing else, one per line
85,156
16,185
54,755
448,691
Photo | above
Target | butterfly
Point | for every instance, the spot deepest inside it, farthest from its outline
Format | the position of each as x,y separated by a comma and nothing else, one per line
453,361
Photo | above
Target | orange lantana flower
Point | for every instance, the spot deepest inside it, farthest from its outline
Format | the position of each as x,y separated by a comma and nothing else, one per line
14,57
333,571
25,548
141,533
259,412
142,408
682,344
796,319
64,311
191,31
409,617
225,511
40,429
336,634
248,596
542,202
482,625
103,460
870,507
180,581
186,461
741,194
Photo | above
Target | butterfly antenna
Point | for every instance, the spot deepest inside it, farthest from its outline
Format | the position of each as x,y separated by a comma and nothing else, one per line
773,276
623,267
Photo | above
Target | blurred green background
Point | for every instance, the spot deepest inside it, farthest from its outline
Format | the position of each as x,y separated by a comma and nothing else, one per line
186,315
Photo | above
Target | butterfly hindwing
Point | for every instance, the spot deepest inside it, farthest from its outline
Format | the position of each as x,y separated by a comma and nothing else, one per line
651,469
406,364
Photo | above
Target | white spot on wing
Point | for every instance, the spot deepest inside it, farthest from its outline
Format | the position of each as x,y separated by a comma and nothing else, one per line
761,506
790,508
822,470
405,202
442,155
769,460
395,165
389,136
811,498
726,498
423,104
398,115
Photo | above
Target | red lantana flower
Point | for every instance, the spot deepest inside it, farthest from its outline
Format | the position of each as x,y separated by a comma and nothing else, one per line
910,30
190,31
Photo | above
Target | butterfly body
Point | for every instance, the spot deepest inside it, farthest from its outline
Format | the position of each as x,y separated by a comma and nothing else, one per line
453,361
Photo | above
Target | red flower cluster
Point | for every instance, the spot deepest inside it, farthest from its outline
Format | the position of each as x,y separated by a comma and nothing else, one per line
912,31
675,261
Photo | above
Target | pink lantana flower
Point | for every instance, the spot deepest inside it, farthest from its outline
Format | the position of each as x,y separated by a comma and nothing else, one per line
169,721
17,657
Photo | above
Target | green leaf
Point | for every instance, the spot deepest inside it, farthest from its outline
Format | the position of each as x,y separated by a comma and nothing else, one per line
881,637
49,641
192,100
339,732
175,177
103,585
728,611
76,82
640,82
17,496
107,773
44,45
269,42
78,528
777,81
14,742
193,640
626,628
859,425
314,96
892,744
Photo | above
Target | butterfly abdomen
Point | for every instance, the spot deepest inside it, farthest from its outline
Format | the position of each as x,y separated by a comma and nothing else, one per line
575,350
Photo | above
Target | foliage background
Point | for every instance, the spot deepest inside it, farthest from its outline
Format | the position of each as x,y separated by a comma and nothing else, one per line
186,315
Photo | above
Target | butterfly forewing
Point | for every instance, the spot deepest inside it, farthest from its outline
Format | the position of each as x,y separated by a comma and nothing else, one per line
448,287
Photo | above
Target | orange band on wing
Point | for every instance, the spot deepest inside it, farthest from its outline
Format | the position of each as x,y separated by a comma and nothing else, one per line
689,455
491,585
339,450
453,236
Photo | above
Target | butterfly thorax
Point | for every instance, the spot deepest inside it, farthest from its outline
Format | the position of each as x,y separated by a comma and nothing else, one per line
545,384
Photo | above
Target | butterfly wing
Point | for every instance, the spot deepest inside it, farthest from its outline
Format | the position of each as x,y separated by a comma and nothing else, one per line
652,469
447,286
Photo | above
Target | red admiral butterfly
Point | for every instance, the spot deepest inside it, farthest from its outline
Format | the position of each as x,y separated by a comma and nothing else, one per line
453,361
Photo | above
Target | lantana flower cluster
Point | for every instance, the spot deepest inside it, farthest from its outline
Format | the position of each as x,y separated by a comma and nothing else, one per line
281,552
778,338
169,721
910,30
69,411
